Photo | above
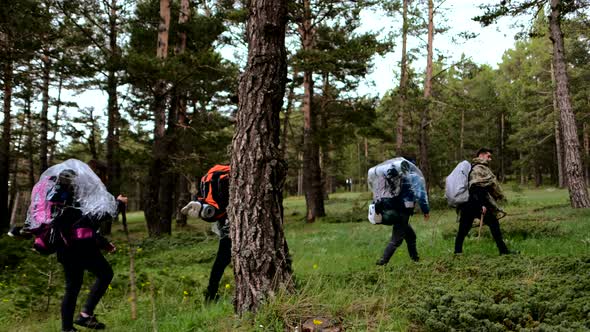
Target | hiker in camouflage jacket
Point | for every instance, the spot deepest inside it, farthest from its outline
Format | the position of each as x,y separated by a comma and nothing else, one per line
484,192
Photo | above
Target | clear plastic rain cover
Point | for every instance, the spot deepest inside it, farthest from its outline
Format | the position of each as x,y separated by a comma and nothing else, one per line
71,183
385,179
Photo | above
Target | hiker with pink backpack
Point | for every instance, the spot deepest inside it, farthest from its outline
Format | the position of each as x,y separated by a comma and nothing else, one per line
68,205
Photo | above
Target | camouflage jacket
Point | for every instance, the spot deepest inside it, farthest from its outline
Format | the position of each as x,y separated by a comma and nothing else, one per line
483,185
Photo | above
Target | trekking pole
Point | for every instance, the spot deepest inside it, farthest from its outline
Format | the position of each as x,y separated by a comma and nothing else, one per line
132,295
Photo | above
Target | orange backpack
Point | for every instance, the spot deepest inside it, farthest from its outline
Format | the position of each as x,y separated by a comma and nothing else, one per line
214,190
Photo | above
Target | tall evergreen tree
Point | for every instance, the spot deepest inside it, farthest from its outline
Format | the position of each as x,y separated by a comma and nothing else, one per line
557,9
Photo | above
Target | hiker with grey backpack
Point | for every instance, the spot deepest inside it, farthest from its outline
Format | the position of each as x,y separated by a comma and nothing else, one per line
473,189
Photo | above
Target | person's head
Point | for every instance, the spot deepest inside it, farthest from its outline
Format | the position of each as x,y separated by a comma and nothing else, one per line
484,153
65,180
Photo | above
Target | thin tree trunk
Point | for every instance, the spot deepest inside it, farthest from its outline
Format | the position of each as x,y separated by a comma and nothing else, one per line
29,143
558,138
113,126
290,98
502,174
182,185
157,222
523,176
586,135
43,165
56,121
424,121
5,147
300,175
13,204
262,266
403,82
462,135
312,173
575,176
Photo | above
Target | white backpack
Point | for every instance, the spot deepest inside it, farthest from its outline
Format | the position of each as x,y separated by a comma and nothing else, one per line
457,184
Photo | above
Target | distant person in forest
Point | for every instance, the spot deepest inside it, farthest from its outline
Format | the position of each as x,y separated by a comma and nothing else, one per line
397,210
484,193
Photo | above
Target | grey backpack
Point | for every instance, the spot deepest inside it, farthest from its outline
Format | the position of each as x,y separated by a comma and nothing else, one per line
457,184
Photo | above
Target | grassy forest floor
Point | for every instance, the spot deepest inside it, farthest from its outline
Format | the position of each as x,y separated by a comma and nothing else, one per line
545,288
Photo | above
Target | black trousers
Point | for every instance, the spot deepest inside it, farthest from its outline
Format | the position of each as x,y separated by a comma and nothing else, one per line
222,260
75,261
466,222
401,231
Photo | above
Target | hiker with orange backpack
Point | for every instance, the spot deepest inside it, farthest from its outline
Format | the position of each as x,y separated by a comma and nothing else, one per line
210,205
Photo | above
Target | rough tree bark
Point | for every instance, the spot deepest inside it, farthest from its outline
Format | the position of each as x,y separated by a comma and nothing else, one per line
424,119
403,82
312,173
575,176
260,254
157,222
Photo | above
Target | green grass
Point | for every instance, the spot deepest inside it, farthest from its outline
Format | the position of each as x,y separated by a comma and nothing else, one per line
545,288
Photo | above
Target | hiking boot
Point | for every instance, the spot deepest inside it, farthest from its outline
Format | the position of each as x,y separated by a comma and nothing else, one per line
381,262
90,322
69,330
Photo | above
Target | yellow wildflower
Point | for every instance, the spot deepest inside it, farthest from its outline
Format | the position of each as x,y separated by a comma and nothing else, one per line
317,322
227,286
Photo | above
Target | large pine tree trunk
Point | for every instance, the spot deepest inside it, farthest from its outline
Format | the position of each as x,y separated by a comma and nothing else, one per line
5,147
260,254
403,82
156,220
424,120
312,173
575,176
43,164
